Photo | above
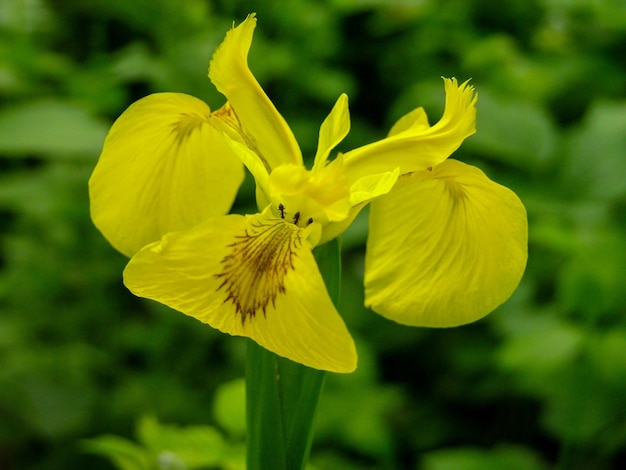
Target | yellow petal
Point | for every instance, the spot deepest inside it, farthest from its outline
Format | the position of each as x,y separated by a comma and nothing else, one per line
361,192
333,130
445,247
372,186
415,120
252,163
273,140
163,167
414,146
251,276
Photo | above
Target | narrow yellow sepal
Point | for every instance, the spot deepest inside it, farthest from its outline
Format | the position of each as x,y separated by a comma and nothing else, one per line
332,131
361,192
163,167
445,247
252,276
413,145
274,143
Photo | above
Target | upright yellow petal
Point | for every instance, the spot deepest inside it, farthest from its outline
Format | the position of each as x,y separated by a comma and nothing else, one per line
273,140
415,146
445,247
333,130
163,167
251,276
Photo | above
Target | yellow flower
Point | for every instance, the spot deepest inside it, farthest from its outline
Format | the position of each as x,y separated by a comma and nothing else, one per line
170,169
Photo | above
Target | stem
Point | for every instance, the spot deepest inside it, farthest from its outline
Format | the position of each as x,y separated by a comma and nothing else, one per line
282,396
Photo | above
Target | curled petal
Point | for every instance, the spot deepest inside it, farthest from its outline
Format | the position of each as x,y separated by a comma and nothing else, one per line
413,145
251,276
445,247
163,167
262,127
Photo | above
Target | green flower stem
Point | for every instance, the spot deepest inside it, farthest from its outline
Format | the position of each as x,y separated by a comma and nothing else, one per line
282,396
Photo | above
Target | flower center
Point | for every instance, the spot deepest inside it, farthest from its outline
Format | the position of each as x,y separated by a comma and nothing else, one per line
254,272
305,195
296,217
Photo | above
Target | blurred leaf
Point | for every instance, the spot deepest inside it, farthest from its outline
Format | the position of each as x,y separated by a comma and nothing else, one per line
50,128
195,446
608,353
517,132
24,17
580,407
158,17
324,460
538,345
354,409
502,457
596,162
52,407
357,418
229,407
592,283
125,454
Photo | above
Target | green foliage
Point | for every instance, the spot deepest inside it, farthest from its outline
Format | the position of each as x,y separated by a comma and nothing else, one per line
168,447
537,384
478,459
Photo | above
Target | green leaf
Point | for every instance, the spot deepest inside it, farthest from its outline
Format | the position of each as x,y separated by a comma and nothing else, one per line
538,346
229,407
592,282
50,128
282,396
468,458
517,132
194,446
597,162
125,454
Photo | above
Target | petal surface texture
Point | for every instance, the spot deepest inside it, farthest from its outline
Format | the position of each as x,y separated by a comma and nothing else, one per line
251,276
445,247
263,128
163,167
412,144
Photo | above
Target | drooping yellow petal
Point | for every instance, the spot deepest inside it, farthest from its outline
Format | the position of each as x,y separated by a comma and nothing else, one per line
414,145
333,130
163,167
251,276
267,132
445,247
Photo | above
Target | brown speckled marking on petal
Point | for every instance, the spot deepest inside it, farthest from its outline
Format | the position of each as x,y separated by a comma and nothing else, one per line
254,271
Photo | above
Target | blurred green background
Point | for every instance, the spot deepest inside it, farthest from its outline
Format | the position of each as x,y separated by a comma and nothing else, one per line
539,384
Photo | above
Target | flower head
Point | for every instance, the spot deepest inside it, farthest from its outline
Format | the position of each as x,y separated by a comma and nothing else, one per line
440,231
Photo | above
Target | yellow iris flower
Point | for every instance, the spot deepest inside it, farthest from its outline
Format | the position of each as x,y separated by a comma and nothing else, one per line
446,245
